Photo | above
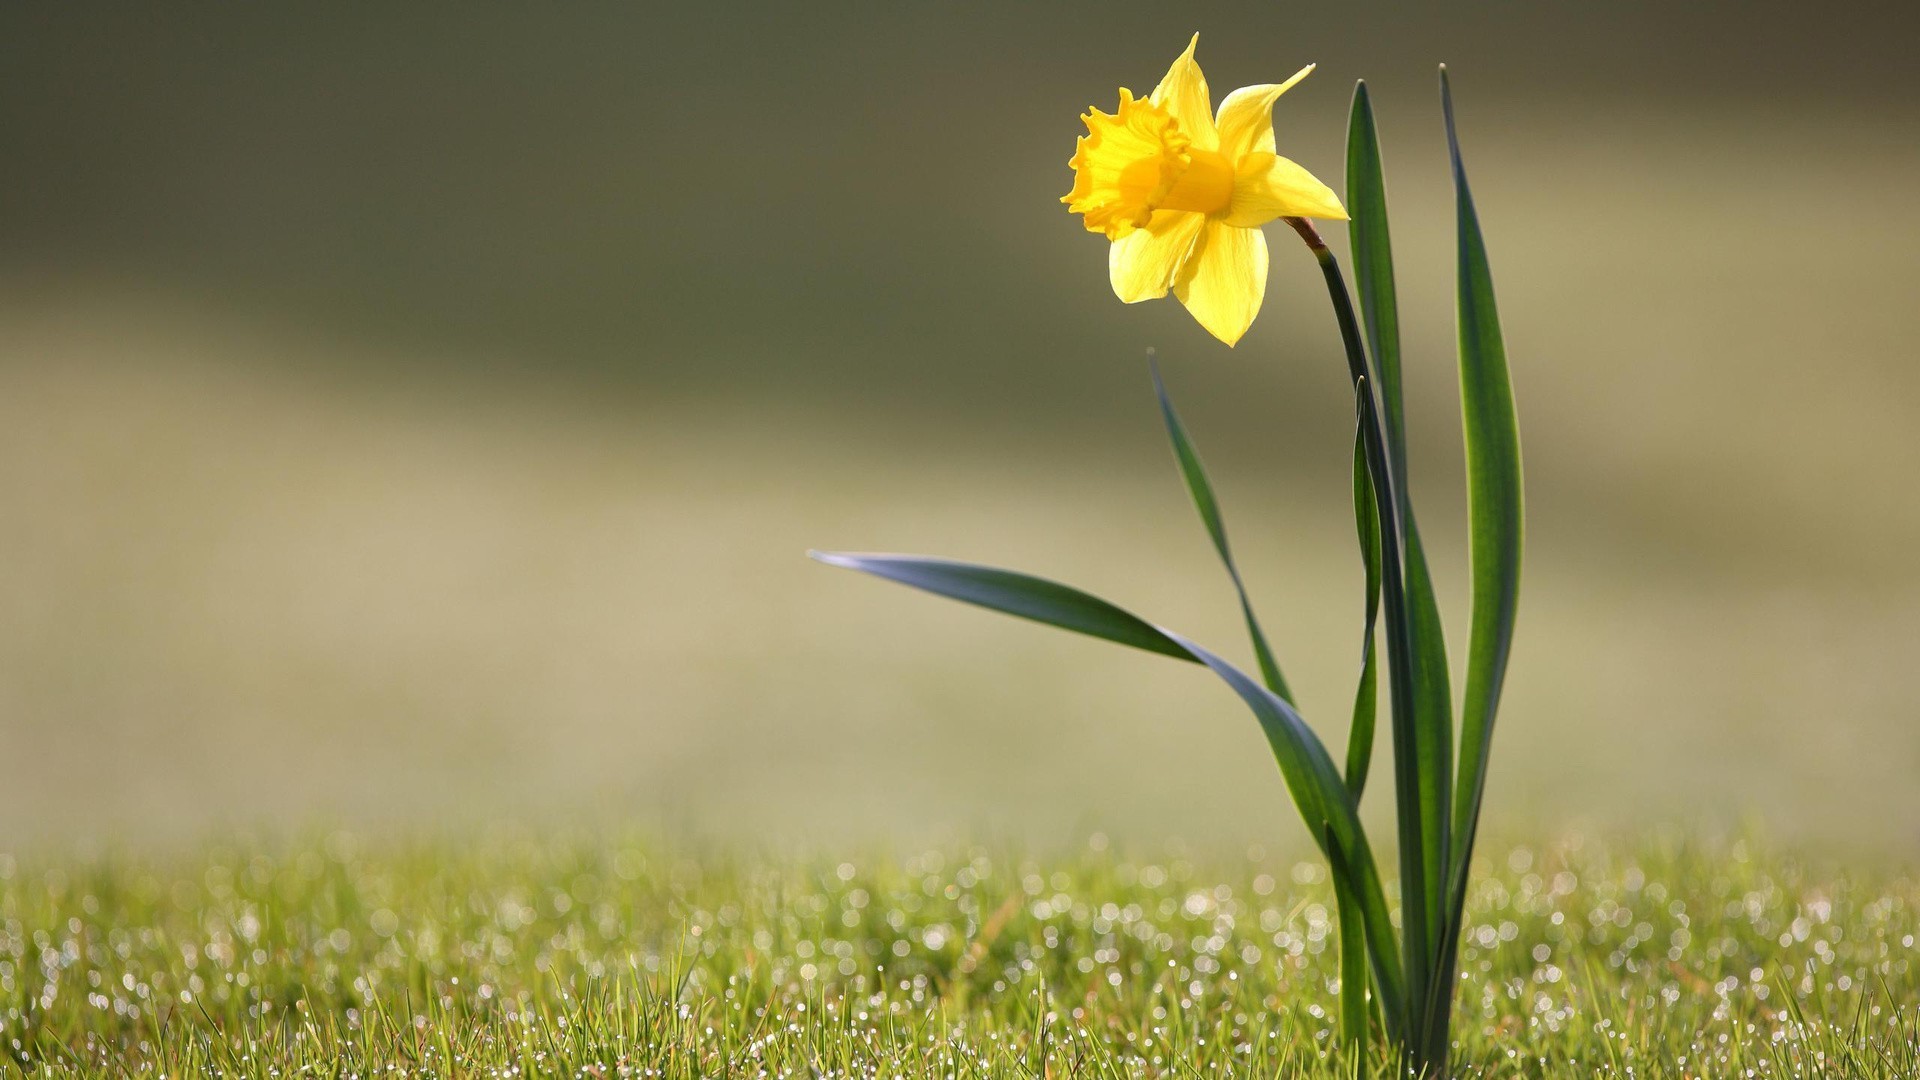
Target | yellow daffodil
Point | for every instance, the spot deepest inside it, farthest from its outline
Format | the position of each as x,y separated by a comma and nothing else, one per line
1182,194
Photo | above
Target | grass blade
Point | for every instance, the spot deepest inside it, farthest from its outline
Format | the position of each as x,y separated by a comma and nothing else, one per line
1311,777
1204,501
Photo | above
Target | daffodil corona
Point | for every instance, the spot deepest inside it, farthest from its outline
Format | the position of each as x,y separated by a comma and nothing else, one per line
1182,194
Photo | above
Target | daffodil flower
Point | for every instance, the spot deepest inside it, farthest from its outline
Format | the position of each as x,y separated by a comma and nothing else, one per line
1182,194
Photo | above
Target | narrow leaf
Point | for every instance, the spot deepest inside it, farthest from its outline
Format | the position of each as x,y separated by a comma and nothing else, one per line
1422,697
1494,497
1433,720
1353,952
1013,594
1208,506
1494,511
1310,774
1372,245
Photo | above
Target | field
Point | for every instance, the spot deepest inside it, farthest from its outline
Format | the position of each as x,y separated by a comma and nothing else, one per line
587,953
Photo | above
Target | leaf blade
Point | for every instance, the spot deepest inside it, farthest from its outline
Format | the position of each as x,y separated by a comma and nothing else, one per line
1194,474
1433,721
1353,952
1495,510
1495,495
1423,736
1012,593
1372,243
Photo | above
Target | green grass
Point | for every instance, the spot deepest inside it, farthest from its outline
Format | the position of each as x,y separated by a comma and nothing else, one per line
586,954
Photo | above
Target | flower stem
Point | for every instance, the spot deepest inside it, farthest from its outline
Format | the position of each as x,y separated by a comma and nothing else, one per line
1417,953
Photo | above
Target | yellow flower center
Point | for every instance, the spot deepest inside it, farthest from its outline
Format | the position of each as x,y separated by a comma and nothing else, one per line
1206,187
1137,161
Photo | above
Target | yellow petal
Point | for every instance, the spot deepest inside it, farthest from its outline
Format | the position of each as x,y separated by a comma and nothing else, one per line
1266,187
1224,279
1142,264
1245,122
1184,94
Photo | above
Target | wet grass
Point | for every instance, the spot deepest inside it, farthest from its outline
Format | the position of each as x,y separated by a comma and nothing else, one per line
588,954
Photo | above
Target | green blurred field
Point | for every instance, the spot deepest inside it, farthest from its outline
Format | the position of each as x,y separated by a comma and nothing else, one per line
406,420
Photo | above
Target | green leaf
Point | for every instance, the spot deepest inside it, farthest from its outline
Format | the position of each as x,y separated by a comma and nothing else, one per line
1353,953
1208,506
1373,267
1013,594
1494,510
1494,498
1423,739
1433,720
1309,772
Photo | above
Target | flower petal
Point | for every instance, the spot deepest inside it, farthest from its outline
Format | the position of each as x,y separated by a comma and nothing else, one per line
1266,187
1225,279
1143,263
1245,122
1184,94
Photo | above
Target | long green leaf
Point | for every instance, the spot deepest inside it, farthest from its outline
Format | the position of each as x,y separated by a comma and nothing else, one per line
1495,517
1310,774
1424,736
1204,501
1495,501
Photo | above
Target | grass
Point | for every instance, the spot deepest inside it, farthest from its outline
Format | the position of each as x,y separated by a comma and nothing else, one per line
586,954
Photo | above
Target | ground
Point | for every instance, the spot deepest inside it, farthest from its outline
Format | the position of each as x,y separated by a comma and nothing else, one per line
586,952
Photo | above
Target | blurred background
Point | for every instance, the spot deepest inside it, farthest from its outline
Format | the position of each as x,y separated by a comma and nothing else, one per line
414,414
